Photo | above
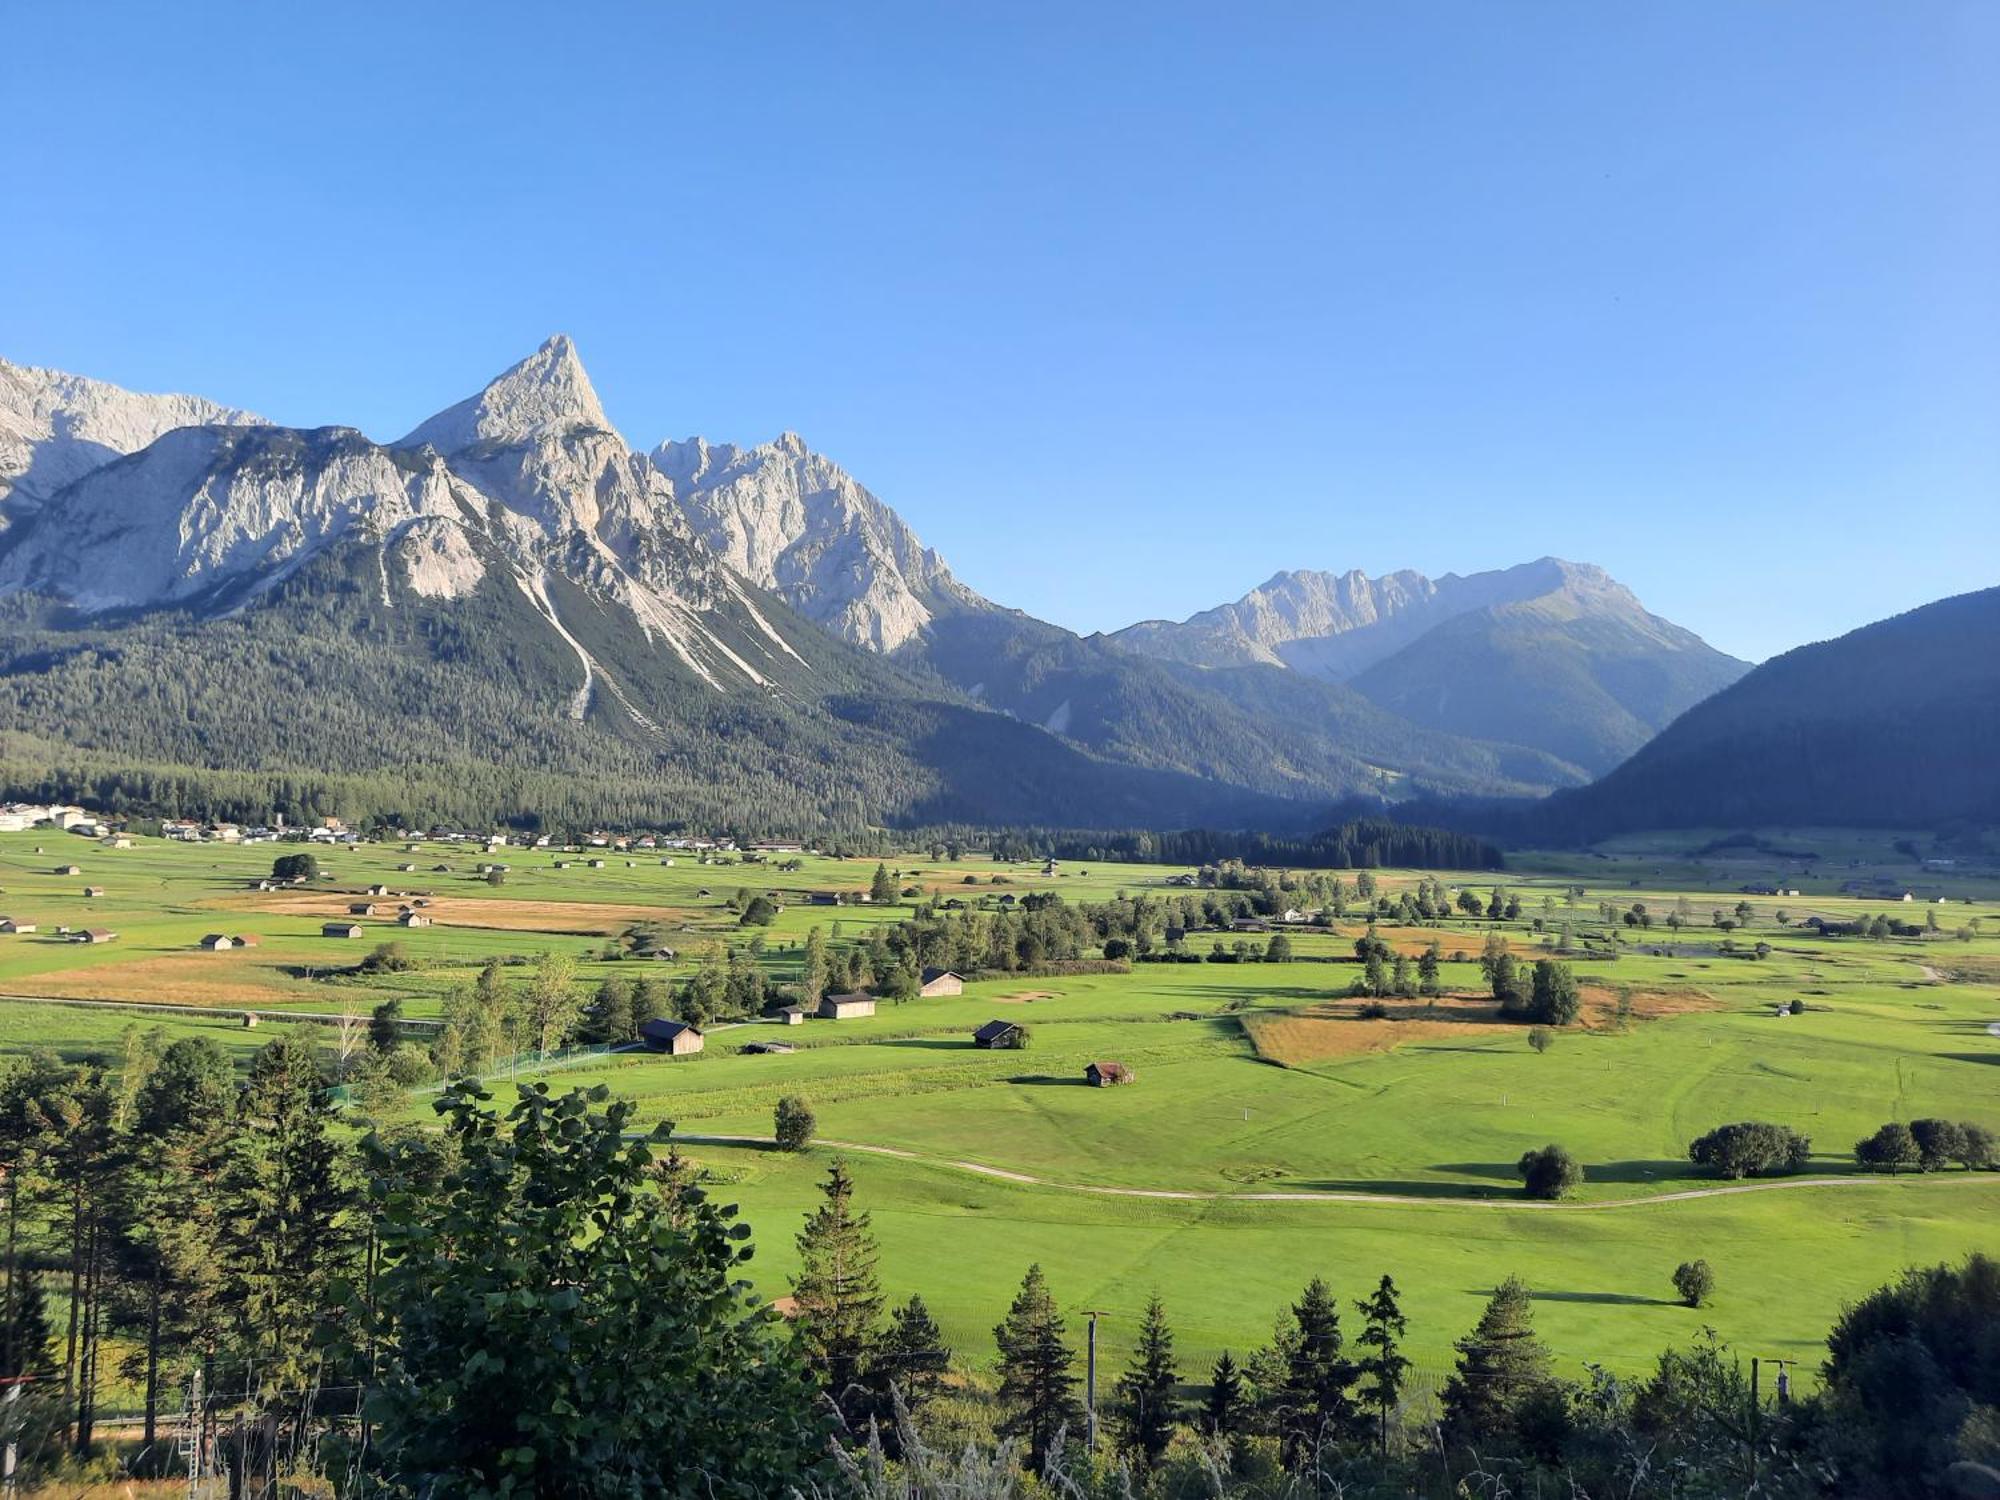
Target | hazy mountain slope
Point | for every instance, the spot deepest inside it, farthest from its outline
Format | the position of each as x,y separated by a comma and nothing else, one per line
796,523
1895,724
1433,758
1334,625
1582,672
55,428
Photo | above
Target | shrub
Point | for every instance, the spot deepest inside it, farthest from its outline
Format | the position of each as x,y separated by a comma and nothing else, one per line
1549,1173
295,867
1751,1148
1374,1010
1541,1038
1694,1281
793,1124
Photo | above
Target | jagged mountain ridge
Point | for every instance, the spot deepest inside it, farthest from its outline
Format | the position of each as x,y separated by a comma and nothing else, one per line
506,591
1573,672
55,428
795,522
646,577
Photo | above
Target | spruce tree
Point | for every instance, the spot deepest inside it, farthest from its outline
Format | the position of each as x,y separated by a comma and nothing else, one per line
913,1356
1037,1386
1147,1408
1382,1364
650,1002
1317,1409
1225,1397
1500,1363
837,1293
609,1017
1429,963
285,1233
881,888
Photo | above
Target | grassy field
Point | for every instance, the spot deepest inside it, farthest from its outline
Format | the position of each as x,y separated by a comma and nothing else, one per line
1273,1132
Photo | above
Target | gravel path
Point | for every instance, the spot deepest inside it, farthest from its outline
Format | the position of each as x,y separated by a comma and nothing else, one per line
1400,1200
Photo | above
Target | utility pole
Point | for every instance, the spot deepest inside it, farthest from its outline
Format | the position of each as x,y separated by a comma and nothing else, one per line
1090,1384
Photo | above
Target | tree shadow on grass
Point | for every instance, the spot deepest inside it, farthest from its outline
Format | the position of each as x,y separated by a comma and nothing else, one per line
933,1043
1399,1188
1604,1299
1050,1080
1971,1057
1657,1171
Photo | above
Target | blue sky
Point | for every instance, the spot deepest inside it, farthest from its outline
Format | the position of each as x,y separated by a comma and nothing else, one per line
1125,307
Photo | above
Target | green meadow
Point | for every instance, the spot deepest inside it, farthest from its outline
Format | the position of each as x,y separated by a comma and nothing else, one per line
1273,1132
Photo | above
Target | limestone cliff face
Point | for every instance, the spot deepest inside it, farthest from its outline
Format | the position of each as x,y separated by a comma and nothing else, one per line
55,428
526,482
796,523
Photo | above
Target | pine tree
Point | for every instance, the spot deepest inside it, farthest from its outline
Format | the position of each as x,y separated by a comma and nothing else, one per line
650,1002
1037,1387
26,1337
1382,1364
1500,1363
609,1016
1225,1397
881,888
1147,1408
284,1234
837,1292
913,1356
1317,1409
1429,964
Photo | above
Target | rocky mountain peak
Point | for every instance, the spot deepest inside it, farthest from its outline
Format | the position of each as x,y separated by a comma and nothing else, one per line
546,394
55,428
795,522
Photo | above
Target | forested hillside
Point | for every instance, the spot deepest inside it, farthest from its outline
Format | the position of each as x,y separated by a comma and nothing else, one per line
1892,725
321,698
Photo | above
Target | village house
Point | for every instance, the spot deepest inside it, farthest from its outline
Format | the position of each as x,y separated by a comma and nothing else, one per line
340,929
217,942
1105,1074
676,1038
941,982
997,1036
846,1007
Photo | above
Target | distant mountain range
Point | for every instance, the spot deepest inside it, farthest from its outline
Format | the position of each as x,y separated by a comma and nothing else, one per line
509,611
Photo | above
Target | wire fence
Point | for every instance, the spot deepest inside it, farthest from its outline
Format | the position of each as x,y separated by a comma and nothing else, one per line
514,1065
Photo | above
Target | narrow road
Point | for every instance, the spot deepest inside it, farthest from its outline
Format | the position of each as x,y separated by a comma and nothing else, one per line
1398,1200
276,1012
